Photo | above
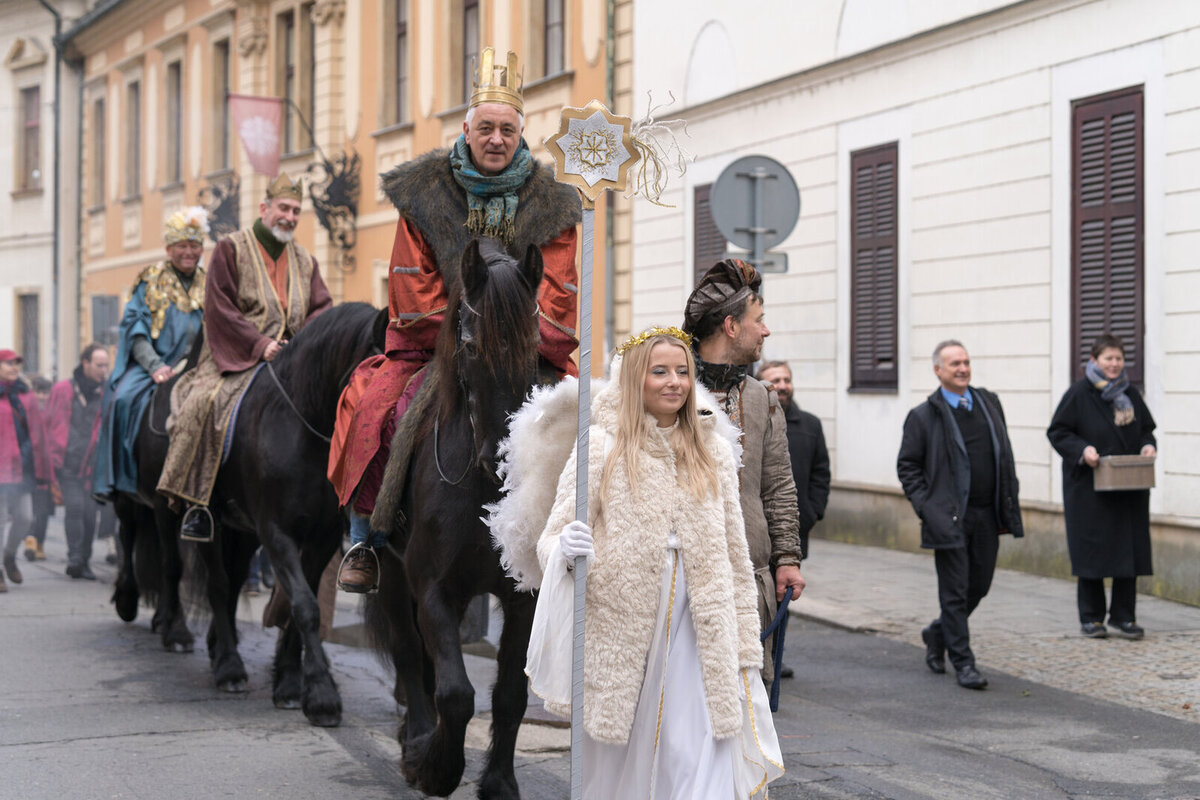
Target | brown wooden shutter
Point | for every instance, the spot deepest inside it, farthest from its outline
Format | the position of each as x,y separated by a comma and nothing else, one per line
709,244
873,276
1107,226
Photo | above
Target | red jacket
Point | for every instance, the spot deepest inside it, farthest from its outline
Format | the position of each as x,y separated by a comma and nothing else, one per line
58,423
10,448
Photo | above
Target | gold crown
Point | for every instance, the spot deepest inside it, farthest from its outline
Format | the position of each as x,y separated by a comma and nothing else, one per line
283,187
650,333
492,88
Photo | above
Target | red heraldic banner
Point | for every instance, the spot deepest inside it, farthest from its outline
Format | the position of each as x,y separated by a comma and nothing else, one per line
258,121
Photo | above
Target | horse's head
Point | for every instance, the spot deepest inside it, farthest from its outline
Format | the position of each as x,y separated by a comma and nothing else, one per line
497,339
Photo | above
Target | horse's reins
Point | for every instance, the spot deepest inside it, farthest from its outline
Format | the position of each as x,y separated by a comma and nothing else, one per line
287,399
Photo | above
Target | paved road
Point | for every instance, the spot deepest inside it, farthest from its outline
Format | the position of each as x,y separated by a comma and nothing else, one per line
93,708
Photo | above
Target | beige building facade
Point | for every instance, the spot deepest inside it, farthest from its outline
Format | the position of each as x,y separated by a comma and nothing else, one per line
370,84
1017,175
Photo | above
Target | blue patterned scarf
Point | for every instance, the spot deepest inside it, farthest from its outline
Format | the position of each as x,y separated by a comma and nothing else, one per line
491,199
1113,392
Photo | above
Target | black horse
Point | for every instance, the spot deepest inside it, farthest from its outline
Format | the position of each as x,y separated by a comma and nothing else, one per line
272,490
440,554
151,565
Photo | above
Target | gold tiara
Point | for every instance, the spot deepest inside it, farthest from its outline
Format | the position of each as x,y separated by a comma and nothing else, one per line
650,333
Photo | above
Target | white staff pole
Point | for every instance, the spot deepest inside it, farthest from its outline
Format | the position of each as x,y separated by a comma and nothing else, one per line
581,495
592,152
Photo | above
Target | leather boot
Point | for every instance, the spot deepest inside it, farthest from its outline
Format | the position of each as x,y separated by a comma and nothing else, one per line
10,569
197,525
359,572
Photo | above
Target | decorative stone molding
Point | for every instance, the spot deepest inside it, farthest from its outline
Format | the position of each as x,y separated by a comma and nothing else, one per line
253,43
26,52
329,11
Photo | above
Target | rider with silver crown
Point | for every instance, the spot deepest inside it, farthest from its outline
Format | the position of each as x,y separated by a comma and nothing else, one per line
486,185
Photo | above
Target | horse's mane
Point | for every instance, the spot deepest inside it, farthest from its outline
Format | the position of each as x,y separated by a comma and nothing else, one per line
315,364
506,342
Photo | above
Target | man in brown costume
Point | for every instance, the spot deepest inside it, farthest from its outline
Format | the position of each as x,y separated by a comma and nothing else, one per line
724,315
262,288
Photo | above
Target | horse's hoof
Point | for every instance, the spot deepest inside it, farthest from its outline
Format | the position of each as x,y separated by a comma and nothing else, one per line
492,787
237,686
127,608
330,719
288,703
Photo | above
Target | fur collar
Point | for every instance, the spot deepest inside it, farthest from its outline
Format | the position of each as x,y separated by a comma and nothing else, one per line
541,437
425,193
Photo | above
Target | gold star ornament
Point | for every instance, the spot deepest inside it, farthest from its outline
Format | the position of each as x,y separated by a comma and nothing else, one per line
592,150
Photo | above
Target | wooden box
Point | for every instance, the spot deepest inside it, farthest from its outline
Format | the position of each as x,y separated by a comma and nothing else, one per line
1124,473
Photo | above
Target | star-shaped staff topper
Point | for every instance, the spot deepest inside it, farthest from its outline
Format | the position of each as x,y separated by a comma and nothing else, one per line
592,150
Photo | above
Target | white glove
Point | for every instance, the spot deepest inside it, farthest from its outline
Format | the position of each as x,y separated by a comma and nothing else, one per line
576,540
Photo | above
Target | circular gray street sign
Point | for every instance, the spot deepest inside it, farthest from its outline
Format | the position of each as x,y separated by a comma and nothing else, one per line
755,194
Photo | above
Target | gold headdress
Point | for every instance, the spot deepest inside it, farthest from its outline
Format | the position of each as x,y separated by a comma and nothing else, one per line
186,225
650,333
283,187
497,84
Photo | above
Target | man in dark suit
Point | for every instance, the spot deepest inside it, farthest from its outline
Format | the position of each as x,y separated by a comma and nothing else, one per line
809,457
956,467
806,447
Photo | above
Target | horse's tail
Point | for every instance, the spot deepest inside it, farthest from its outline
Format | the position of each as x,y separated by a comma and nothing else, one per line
193,589
389,620
147,565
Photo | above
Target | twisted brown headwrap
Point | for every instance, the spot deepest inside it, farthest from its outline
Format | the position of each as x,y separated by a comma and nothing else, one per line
723,290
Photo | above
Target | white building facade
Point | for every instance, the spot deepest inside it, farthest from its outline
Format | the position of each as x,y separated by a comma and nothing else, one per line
1020,176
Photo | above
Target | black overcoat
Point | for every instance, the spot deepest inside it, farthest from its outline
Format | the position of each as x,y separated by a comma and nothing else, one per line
936,475
810,467
1108,533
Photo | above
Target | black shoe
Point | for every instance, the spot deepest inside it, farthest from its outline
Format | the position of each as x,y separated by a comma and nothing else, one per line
969,678
11,570
1094,630
86,573
268,578
197,525
74,571
786,672
935,651
1127,630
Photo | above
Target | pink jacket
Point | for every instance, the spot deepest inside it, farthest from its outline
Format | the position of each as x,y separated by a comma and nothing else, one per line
10,449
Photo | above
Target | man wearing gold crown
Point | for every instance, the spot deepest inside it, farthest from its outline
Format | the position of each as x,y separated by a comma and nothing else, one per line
489,185
157,329
262,289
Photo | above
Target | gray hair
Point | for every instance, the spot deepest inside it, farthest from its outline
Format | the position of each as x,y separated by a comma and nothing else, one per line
471,116
942,345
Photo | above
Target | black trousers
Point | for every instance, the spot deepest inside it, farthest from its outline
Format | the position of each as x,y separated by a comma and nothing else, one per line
43,509
1090,594
964,578
80,511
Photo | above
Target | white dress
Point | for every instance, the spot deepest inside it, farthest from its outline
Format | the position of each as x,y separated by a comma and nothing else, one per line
671,753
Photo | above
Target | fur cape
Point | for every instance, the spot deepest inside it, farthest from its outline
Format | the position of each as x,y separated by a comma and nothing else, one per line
425,193
630,540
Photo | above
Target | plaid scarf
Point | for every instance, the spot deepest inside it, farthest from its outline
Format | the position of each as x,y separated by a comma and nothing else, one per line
491,199
1112,392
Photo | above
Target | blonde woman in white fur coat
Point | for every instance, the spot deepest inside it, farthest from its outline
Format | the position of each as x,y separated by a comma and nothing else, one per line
674,706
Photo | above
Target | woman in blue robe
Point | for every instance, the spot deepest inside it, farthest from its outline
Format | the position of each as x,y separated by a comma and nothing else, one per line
157,330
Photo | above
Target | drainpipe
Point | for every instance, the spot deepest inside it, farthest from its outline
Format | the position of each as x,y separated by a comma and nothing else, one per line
54,237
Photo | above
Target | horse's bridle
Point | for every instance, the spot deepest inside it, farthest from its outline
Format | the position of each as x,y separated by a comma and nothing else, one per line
462,339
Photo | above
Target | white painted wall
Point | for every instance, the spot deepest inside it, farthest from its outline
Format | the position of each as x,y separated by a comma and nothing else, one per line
26,222
981,110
